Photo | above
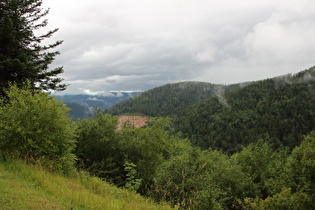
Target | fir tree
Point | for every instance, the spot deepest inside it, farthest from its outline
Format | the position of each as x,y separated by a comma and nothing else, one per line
22,57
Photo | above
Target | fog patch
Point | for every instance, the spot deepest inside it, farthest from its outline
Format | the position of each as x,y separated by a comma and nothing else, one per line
219,91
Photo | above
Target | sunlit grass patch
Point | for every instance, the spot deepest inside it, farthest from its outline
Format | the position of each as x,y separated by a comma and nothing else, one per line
29,187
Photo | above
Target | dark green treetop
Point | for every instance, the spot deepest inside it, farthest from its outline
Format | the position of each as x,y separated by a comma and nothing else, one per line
22,57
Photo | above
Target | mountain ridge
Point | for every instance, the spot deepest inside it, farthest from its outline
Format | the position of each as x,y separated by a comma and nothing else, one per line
169,99
228,117
280,109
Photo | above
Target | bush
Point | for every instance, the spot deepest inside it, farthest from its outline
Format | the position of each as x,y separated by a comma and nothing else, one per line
301,168
283,200
98,147
35,126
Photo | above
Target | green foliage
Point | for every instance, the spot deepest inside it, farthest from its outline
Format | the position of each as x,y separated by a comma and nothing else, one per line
167,100
283,182
22,57
36,127
145,147
171,170
283,200
98,147
132,183
191,178
263,167
254,178
281,109
104,151
183,177
255,127
228,117
301,167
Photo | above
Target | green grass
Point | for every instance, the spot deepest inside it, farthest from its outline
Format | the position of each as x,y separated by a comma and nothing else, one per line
25,186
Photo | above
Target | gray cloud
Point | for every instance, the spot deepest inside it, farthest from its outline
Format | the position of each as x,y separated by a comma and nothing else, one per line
141,44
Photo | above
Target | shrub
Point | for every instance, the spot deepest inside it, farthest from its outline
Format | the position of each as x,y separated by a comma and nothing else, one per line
98,147
35,126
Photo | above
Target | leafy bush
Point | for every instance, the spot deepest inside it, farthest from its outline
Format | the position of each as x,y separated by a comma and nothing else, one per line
35,126
145,148
104,151
98,147
132,183
283,200
301,168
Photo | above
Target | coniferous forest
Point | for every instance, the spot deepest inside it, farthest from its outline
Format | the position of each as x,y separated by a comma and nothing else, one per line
245,139
207,146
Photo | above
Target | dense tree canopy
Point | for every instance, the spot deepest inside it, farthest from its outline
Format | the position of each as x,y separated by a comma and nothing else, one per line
35,126
22,57
280,110
170,99
168,168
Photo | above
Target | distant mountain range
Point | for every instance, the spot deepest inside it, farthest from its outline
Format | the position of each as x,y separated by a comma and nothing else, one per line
83,105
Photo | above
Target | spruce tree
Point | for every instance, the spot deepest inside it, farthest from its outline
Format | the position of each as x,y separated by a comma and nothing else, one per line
22,56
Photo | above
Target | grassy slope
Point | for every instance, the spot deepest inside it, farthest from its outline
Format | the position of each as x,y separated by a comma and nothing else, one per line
28,187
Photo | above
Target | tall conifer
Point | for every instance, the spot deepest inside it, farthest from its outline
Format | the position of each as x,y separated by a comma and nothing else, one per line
22,57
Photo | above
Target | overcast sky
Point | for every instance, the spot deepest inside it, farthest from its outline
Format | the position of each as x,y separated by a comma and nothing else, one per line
142,44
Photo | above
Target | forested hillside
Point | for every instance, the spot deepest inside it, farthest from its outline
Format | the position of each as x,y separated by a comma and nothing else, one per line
227,117
169,99
281,110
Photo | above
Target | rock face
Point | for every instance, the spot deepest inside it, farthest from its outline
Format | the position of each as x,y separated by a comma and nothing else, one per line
133,121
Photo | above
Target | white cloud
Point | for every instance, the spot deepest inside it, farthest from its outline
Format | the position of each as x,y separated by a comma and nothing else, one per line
282,39
141,44
206,55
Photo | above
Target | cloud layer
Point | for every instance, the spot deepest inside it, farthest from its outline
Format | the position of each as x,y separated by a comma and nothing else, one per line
141,44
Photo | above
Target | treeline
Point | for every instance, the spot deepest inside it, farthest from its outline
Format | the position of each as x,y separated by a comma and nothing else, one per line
169,100
281,110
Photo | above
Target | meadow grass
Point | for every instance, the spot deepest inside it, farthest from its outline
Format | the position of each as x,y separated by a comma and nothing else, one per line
24,186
